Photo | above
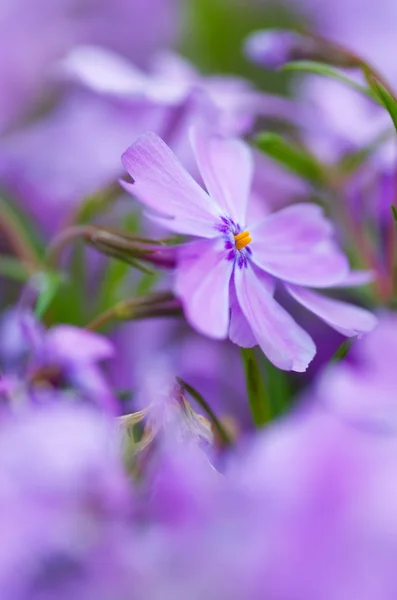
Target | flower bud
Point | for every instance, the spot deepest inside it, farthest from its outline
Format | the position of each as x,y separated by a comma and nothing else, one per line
130,248
273,48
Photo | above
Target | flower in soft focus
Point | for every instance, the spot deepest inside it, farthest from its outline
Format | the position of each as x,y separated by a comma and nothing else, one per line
226,280
345,122
310,496
65,503
58,363
41,155
366,27
273,48
169,412
230,102
362,388
28,49
330,509
41,165
219,378
114,102
34,38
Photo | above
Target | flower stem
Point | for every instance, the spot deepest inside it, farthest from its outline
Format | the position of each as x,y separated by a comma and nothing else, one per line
17,239
62,240
256,390
159,304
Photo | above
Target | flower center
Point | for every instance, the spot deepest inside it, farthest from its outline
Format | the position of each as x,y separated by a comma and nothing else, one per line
242,240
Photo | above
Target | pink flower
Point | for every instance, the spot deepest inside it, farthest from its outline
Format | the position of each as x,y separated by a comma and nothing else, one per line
226,279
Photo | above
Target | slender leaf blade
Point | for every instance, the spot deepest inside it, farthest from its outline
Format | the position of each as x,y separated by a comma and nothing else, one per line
294,158
48,285
385,98
318,68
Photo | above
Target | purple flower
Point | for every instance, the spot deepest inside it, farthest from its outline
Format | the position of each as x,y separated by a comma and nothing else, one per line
28,50
344,122
220,378
109,25
64,507
226,280
61,362
42,164
364,26
272,48
33,41
362,389
230,102
311,497
329,514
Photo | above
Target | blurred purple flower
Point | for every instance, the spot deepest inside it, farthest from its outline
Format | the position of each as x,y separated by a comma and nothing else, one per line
230,102
345,122
219,378
109,23
43,165
310,496
226,280
364,26
30,44
272,48
64,507
335,119
59,363
33,40
362,387
330,513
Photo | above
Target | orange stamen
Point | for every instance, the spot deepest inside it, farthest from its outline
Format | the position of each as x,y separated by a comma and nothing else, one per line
242,239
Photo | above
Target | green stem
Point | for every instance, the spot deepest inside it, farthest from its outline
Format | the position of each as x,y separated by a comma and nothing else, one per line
62,240
257,394
17,238
158,304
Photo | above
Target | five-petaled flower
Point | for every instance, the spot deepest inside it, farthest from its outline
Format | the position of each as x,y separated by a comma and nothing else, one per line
226,279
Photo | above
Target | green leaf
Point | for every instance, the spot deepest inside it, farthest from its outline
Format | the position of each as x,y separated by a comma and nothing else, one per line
256,390
384,97
318,68
13,268
48,285
296,159
394,211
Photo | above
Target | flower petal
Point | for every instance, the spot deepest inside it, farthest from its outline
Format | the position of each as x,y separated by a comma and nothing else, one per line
70,343
354,278
285,344
295,245
202,283
103,71
349,320
226,166
240,331
162,184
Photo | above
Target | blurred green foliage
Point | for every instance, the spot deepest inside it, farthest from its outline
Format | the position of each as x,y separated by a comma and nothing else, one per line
215,31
